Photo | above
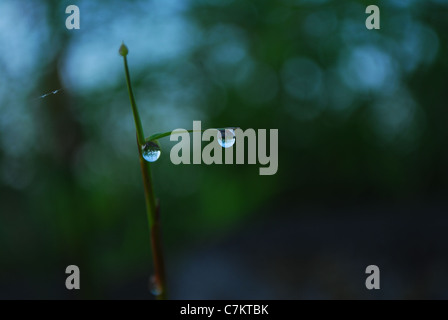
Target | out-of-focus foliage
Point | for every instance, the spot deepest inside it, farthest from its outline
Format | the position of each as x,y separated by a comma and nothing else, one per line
361,116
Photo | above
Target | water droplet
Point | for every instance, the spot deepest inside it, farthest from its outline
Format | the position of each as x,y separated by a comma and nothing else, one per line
151,151
154,286
226,138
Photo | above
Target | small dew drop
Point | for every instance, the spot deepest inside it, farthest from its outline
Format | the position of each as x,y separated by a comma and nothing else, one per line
154,287
151,151
226,138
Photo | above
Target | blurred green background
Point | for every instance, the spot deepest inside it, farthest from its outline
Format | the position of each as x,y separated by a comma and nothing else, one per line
362,119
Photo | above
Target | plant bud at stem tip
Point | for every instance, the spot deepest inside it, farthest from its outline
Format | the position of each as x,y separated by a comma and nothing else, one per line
123,50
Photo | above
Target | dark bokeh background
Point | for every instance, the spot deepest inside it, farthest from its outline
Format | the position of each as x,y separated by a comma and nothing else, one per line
363,158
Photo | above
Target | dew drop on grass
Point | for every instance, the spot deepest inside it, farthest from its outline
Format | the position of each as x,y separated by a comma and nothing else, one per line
151,151
154,287
226,138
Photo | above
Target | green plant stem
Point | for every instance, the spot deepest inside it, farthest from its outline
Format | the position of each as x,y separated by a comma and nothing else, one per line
152,209
156,136
138,122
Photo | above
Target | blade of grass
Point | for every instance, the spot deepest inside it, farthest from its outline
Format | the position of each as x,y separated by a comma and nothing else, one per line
156,136
151,206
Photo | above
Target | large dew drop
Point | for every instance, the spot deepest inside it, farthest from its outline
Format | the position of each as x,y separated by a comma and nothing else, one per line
151,151
226,138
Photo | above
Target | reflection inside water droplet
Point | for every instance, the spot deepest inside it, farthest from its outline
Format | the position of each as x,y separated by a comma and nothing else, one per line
151,151
226,138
